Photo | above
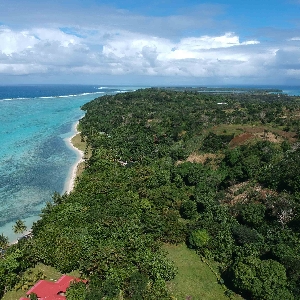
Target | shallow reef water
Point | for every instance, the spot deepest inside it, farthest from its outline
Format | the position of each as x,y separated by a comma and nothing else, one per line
35,160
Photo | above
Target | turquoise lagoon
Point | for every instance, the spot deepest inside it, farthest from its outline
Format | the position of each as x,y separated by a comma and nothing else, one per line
35,157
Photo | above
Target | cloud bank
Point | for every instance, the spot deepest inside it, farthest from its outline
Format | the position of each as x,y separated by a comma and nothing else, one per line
119,46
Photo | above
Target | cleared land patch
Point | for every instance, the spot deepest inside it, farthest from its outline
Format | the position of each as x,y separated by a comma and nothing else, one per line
243,193
82,146
201,158
194,280
246,134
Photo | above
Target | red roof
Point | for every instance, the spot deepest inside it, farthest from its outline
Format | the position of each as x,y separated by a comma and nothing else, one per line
47,290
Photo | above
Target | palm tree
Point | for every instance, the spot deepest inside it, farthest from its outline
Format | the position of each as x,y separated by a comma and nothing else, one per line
3,241
19,227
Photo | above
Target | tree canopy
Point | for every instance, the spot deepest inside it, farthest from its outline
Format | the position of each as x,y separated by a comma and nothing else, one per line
173,167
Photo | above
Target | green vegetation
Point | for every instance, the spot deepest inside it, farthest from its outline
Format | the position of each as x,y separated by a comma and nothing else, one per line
3,242
30,277
19,227
194,279
79,142
217,172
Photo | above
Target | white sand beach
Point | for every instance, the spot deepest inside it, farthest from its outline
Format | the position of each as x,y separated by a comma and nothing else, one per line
70,182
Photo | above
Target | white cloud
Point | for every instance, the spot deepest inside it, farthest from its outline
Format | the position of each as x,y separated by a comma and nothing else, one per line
88,16
89,38
116,51
293,73
195,56
46,34
208,42
12,41
22,69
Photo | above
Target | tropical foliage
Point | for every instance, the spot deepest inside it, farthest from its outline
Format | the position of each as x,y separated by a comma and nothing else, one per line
219,172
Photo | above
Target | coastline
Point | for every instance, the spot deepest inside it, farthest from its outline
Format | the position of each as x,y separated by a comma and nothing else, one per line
70,182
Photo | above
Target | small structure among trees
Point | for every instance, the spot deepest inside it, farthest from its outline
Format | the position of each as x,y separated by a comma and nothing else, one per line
52,290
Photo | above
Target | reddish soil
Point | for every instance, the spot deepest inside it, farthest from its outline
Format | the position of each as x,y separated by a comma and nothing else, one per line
240,139
273,135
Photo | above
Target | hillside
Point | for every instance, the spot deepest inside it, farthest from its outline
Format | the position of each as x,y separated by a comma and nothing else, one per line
217,172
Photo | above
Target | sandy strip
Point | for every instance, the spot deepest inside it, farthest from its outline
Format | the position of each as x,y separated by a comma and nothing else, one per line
23,235
73,172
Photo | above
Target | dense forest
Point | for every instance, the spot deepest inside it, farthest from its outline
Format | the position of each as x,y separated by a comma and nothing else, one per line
219,172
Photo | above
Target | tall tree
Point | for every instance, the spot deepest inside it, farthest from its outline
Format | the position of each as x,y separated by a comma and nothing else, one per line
19,226
3,241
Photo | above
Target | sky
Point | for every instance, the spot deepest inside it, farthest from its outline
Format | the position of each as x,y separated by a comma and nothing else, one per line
152,42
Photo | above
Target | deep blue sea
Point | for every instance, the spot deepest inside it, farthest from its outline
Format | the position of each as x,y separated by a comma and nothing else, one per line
35,158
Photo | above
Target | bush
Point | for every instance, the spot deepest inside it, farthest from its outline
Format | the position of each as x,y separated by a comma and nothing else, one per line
199,238
188,209
245,235
253,214
260,279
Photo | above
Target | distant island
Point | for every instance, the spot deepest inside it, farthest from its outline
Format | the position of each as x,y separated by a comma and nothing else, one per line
223,90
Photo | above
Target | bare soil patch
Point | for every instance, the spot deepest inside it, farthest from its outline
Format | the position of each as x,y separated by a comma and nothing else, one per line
241,139
210,158
245,192
262,133
269,136
201,158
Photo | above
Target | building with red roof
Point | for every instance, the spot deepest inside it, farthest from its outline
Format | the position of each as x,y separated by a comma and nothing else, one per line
47,290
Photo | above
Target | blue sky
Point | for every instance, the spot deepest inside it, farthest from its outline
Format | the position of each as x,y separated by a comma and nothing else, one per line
150,42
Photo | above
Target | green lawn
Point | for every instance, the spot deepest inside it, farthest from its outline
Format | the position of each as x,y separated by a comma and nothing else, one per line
195,280
78,143
82,146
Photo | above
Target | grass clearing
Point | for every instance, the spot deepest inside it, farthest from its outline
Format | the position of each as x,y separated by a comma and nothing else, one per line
265,132
78,143
229,129
82,146
195,280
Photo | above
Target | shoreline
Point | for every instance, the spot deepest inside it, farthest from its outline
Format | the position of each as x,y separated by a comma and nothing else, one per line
70,181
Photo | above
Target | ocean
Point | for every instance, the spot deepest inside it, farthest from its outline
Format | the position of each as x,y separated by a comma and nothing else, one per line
291,90
35,158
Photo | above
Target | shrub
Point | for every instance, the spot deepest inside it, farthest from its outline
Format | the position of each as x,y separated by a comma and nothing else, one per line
199,238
